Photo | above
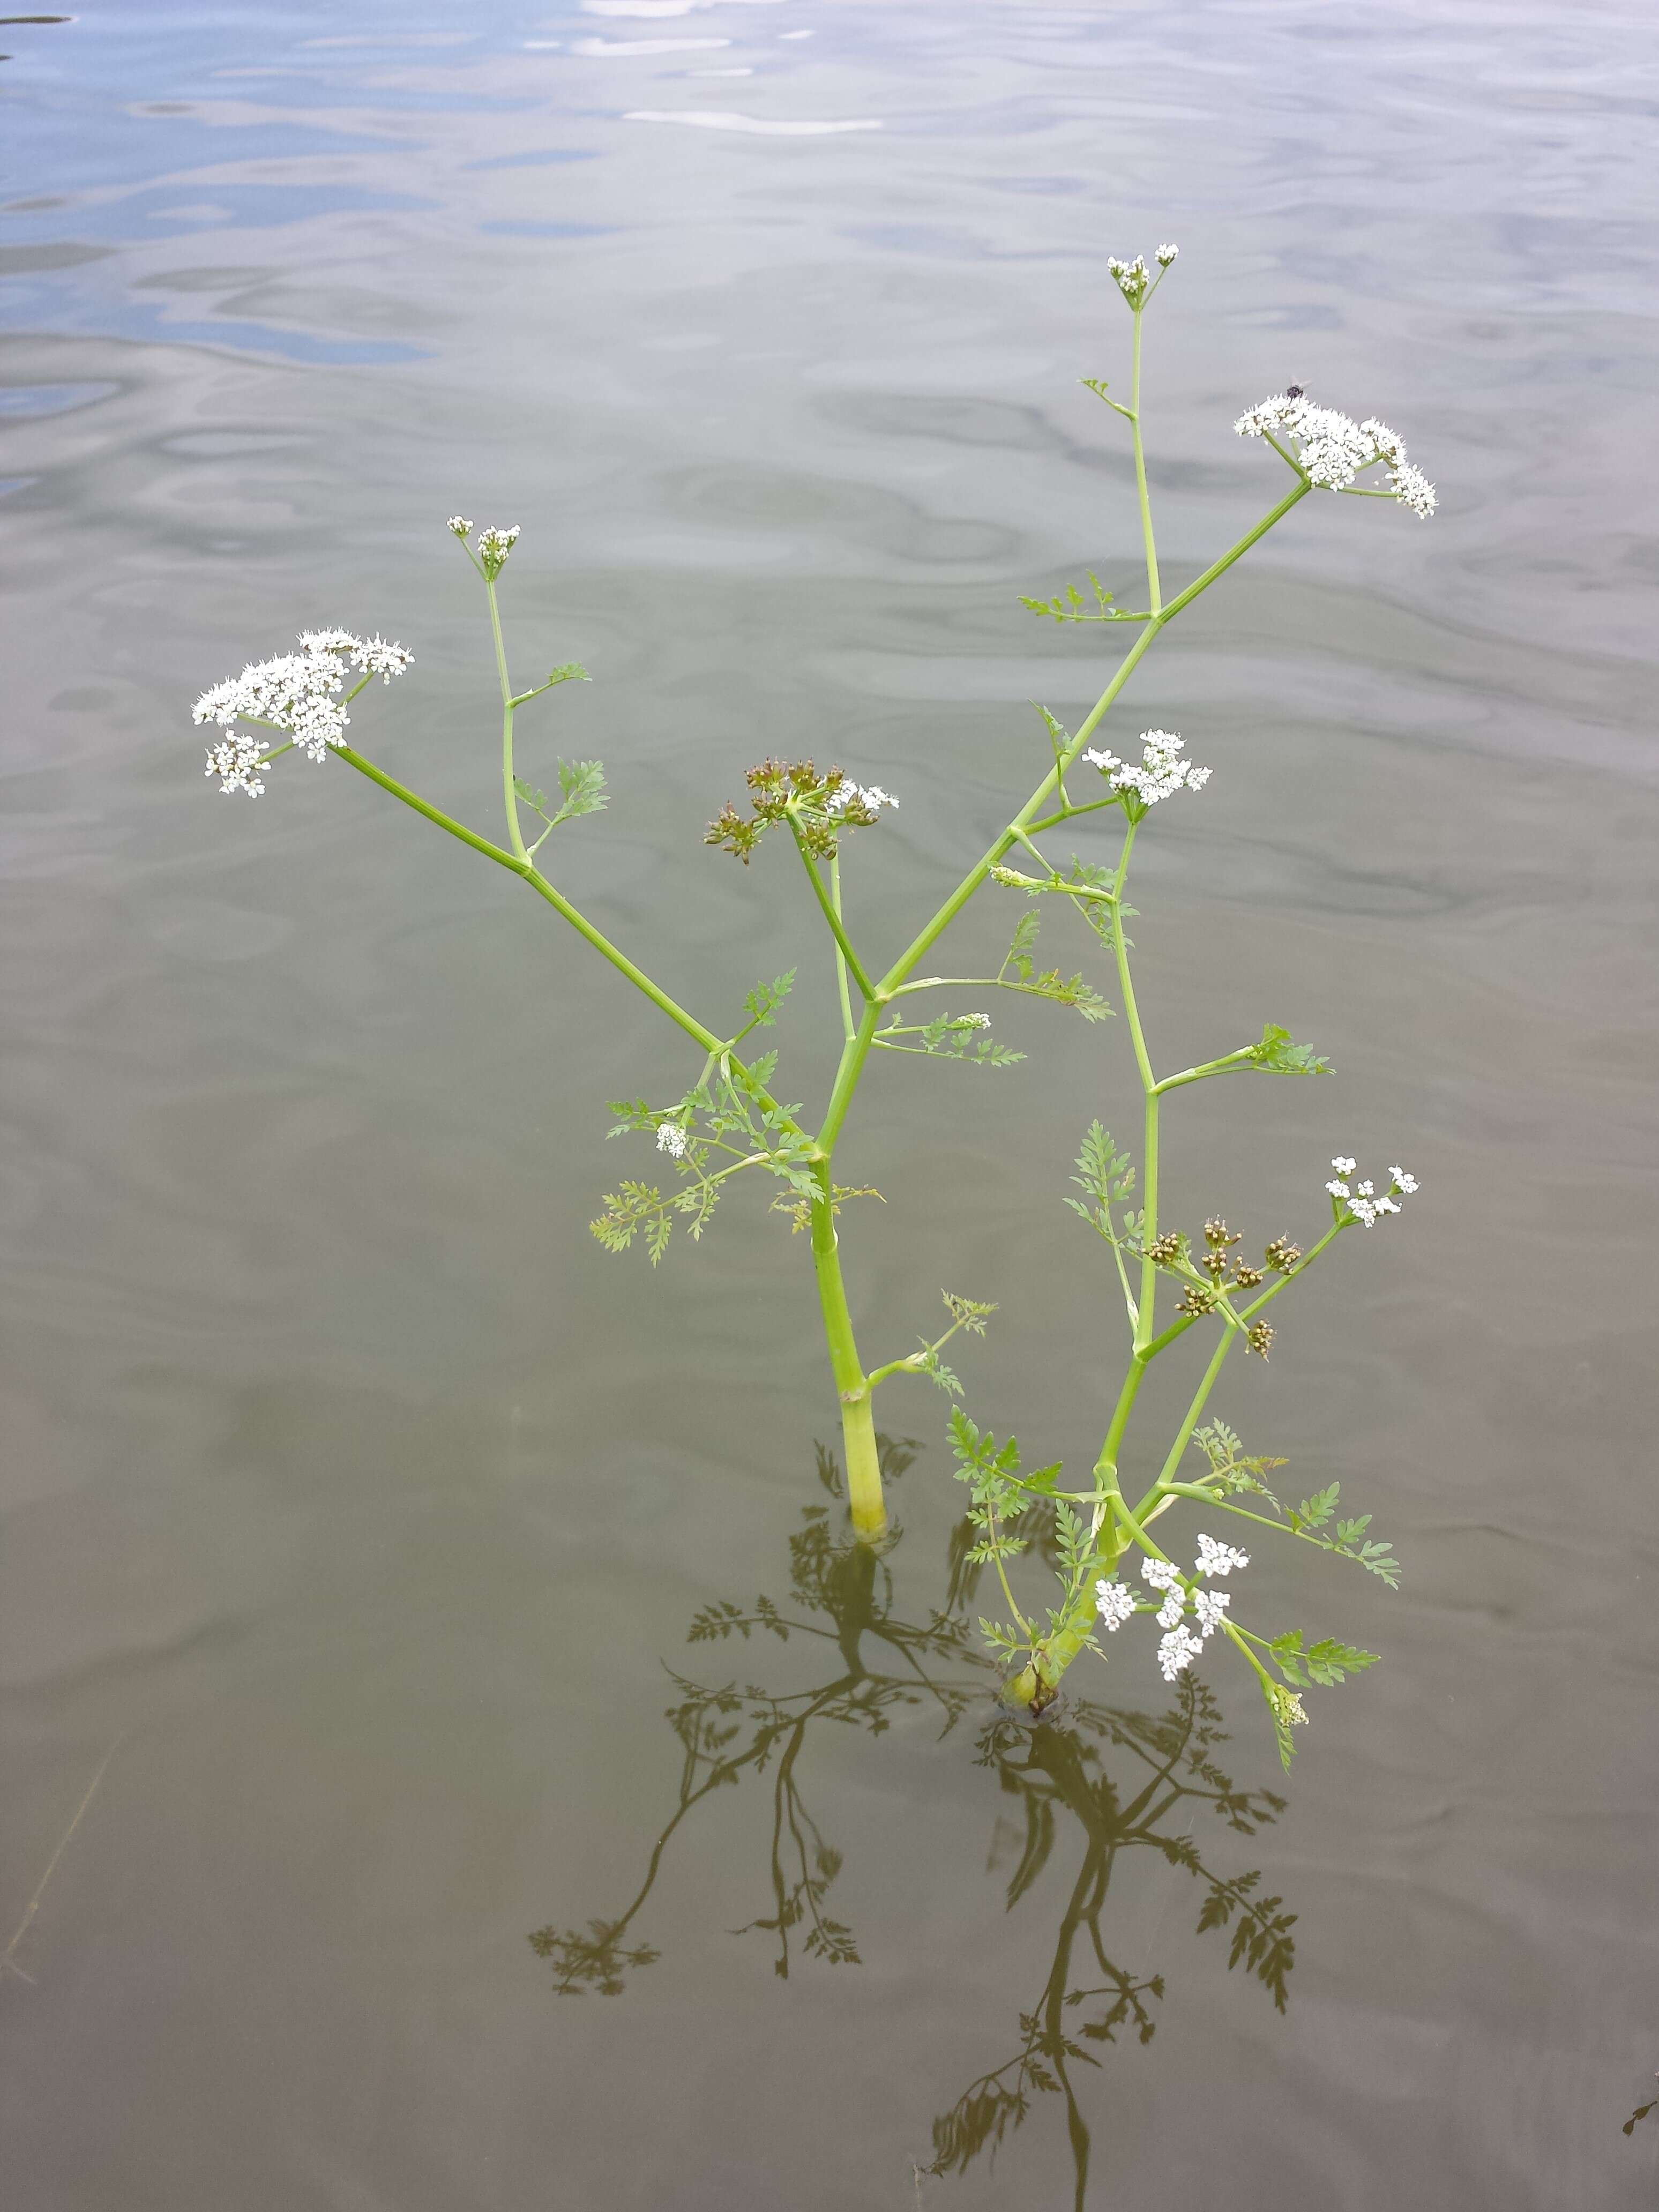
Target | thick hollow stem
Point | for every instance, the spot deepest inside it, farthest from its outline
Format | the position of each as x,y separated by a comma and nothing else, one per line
857,1426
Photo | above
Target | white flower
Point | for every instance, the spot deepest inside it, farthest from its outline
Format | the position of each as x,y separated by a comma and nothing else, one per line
1333,448
1178,1652
236,761
1158,1574
460,524
976,1021
1131,277
379,656
1161,770
1173,1607
1363,1201
671,1138
1215,1559
1413,488
1115,1605
870,796
1345,1166
493,548
293,694
1166,254
1210,1606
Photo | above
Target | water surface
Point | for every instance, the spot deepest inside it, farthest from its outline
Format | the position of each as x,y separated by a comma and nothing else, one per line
363,1505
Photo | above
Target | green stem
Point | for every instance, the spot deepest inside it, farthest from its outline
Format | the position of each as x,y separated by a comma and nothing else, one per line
510,797
1152,592
1229,1061
831,910
1234,553
840,957
941,921
578,921
857,1427
1184,1433
1146,1305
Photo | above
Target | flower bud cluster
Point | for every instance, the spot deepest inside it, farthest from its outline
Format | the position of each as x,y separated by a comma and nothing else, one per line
1133,278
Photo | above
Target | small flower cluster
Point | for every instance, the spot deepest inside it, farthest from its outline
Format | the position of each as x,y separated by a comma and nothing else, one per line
672,1138
493,546
869,798
1133,278
819,805
1160,772
295,694
1363,1199
1332,448
1179,1647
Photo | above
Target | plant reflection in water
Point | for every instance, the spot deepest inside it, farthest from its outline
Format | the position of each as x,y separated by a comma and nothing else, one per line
1163,1774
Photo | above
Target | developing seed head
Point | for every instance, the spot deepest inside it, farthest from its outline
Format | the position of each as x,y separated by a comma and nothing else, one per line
1195,1300
1247,1278
1216,1262
1164,1250
1261,1338
1216,1232
1282,1255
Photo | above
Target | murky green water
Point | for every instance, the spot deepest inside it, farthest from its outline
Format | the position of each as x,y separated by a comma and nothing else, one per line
363,1505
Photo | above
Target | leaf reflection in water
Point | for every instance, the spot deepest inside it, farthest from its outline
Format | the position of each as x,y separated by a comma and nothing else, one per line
1057,1768
1162,1772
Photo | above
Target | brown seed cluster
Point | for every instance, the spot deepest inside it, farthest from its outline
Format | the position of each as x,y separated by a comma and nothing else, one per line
1259,1338
1282,1255
1164,1250
820,804
1196,1300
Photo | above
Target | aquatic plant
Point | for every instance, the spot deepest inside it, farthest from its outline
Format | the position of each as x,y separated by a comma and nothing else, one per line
729,1119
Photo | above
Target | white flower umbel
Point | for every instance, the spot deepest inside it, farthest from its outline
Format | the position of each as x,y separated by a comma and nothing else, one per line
1159,1575
1173,1610
1166,254
1363,1200
1177,1651
1115,1605
1159,772
296,696
459,526
671,1139
1210,1606
1331,449
1215,1559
